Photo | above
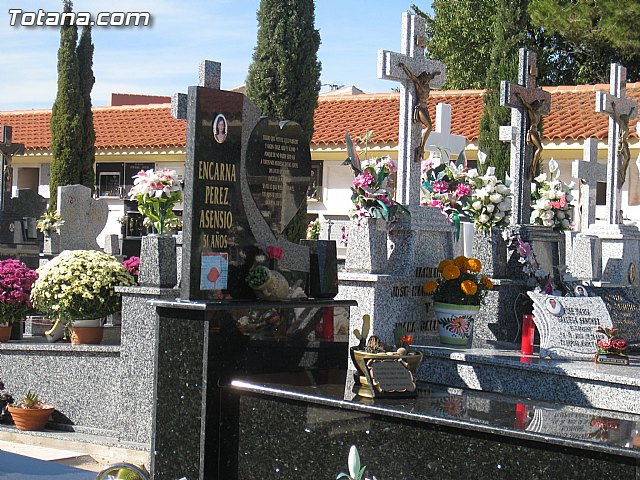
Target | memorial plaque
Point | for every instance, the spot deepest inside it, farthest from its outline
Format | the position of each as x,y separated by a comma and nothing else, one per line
623,304
567,325
390,378
216,228
278,170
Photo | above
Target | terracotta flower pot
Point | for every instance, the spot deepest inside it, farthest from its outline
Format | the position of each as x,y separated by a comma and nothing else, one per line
5,333
86,332
30,418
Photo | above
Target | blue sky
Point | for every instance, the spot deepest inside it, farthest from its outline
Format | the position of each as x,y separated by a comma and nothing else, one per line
163,58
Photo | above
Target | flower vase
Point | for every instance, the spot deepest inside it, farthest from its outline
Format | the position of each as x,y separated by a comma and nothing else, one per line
56,332
455,322
323,268
367,246
274,288
158,261
51,244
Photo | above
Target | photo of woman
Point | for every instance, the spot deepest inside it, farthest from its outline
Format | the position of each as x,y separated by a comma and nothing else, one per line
220,129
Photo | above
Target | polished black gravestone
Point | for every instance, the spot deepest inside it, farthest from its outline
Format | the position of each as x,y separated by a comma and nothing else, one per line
302,426
242,187
623,304
278,170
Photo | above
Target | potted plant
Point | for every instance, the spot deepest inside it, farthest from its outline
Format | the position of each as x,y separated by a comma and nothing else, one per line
457,296
16,282
268,283
30,413
78,289
6,399
371,348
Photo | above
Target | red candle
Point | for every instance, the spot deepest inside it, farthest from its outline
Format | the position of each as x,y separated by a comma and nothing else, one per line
521,417
327,324
528,329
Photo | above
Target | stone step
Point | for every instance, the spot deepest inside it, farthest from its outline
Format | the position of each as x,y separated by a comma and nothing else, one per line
582,384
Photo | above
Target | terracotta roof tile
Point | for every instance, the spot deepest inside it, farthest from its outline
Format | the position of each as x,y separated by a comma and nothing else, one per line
572,117
148,126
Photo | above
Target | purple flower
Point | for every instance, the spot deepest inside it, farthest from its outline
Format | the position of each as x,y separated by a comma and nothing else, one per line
440,186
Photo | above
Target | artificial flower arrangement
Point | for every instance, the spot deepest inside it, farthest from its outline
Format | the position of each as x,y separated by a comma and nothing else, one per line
313,230
460,282
372,196
49,223
611,344
551,200
16,283
80,284
463,195
156,193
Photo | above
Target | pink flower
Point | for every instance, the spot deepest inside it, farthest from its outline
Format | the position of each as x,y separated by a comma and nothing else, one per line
389,164
437,203
462,190
275,253
440,186
364,180
561,203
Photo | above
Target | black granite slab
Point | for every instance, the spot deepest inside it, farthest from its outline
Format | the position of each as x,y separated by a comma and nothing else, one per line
291,424
623,304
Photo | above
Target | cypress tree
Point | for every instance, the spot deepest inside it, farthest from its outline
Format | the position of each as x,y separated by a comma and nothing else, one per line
284,76
510,29
85,69
66,115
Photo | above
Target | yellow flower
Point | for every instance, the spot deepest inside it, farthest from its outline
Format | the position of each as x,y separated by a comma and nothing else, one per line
451,272
443,264
430,286
468,287
461,262
474,265
486,281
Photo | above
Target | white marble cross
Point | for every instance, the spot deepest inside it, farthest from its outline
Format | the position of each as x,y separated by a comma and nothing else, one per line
589,173
620,110
389,68
209,74
7,150
527,102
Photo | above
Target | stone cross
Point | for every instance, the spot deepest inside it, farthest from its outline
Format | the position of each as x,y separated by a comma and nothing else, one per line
528,104
412,102
588,172
7,150
620,110
209,74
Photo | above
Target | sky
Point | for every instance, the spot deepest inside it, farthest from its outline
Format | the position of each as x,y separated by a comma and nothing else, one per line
163,58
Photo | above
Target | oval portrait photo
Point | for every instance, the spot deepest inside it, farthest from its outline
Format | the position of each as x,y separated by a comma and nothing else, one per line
220,128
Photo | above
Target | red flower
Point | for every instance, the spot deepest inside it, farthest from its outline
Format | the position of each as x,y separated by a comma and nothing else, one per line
274,253
619,344
604,344
406,339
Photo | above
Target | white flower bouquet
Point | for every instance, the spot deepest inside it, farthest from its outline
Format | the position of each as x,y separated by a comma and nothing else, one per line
156,192
490,202
80,284
551,200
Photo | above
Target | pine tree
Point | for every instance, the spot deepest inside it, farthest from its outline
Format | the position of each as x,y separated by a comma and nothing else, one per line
510,30
85,69
66,115
284,76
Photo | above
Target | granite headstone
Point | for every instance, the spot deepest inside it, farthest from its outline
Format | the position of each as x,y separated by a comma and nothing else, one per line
567,325
84,218
623,305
